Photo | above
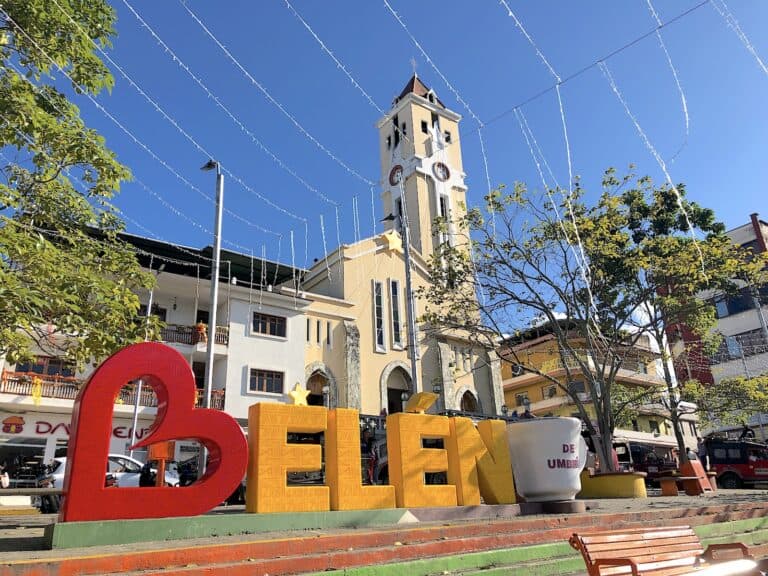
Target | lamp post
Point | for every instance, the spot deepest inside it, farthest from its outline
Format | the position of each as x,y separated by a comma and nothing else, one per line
413,344
139,382
211,165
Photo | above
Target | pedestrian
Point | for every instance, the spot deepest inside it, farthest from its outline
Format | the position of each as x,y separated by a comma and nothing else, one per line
5,479
701,449
747,433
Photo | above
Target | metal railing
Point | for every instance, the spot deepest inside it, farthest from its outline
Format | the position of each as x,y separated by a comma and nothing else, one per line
65,388
183,334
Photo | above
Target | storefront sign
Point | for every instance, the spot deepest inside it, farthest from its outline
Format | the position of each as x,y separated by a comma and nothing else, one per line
475,459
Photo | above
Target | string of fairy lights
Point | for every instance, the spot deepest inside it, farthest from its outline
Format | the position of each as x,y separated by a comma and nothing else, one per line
274,239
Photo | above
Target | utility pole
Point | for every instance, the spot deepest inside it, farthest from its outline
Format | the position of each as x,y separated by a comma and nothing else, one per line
210,165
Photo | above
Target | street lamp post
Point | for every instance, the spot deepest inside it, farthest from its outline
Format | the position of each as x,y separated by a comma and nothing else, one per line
211,165
138,385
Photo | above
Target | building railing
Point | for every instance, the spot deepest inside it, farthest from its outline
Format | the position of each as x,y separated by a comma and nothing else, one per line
740,346
65,388
183,334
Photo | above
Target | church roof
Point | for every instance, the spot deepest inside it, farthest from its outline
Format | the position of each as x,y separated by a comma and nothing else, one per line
416,86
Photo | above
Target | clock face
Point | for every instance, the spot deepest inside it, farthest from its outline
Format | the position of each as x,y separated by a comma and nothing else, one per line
441,171
396,175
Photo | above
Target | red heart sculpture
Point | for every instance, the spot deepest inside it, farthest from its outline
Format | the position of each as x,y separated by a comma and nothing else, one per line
85,496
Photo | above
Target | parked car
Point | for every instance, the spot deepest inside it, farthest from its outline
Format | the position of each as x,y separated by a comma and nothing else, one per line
737,462
125,470
654,460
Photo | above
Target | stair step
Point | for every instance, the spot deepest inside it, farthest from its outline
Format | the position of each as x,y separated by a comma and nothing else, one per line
414,550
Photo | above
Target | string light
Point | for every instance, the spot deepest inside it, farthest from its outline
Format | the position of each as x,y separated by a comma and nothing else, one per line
226,110
659,161
271,99
734,25
683,100
168,117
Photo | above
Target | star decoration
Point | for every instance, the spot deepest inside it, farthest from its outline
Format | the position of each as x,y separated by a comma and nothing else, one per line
393,241
298,396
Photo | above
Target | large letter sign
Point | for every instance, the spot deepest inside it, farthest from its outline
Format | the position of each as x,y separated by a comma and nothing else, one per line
170,375
475,460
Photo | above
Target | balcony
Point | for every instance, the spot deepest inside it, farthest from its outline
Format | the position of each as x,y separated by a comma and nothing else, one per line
63,388
192,335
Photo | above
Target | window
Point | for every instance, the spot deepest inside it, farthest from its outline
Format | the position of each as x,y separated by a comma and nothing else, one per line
721,308
48,366
654,426
468,360
399,214
576,387
424,127
328,341
549,391
734,304
405,133
734,347
389,142
521,399
692,428
317,332
309,330
378,312
635,425
268,324
447,136
394,299
444,206
395,130
266,381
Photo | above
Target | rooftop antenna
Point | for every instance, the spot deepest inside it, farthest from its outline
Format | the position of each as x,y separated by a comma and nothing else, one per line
413,65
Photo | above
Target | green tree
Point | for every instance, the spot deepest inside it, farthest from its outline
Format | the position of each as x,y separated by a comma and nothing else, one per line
602,278
67,282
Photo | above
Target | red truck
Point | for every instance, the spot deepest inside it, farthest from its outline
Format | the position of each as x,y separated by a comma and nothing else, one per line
737,462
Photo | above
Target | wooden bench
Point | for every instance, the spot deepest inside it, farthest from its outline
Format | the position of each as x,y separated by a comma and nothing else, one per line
669,484
666,551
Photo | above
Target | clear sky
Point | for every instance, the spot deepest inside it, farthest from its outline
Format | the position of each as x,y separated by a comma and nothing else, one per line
485,58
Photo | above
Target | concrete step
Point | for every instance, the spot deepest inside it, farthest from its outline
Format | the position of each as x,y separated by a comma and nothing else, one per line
537,544
488,555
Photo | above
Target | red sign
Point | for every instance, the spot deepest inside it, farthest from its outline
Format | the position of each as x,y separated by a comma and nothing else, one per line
170,375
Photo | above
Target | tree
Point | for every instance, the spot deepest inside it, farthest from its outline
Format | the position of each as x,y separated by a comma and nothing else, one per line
602,279
729,401
67,282
665,256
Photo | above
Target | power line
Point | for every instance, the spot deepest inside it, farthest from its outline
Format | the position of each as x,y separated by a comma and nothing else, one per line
588,67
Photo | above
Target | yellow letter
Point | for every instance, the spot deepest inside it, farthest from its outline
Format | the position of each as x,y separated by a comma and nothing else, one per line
271,458
408,461
479,463
343,466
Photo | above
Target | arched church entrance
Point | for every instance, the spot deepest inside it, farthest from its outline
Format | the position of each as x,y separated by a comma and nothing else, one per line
315,384
469,402
398,389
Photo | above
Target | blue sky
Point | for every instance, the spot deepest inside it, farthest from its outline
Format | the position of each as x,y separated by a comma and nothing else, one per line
482,54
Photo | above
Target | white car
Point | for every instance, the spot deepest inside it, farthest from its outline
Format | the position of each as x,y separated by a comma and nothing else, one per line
125,469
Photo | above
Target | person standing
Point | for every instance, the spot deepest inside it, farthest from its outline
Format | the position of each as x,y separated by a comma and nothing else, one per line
701,450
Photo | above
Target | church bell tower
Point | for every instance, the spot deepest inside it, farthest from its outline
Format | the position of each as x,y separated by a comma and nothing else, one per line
421,165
